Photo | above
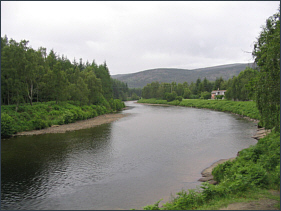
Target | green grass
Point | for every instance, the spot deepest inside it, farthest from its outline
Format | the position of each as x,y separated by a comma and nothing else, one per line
243,108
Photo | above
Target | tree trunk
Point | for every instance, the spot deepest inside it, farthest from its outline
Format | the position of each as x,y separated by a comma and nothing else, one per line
30,94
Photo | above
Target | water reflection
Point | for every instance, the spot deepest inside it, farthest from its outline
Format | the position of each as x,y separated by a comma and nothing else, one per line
135,161
37,166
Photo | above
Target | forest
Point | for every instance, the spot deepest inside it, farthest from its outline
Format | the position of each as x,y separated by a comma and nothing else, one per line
40,89
29,75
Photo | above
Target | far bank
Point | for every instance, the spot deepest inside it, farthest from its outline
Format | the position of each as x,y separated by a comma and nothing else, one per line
246,109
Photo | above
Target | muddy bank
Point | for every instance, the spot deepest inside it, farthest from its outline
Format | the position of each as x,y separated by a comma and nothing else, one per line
83,124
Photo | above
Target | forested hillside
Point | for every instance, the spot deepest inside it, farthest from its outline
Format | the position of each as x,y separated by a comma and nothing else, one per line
168,75
238,88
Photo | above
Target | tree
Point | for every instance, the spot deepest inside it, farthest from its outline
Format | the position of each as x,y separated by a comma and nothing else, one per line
187,93
267,56
219,84
238,88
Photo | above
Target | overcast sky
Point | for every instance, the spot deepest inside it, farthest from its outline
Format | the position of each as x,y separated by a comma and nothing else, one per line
135,36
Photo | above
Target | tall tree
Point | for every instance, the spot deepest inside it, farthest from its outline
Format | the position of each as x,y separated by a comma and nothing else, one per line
267,56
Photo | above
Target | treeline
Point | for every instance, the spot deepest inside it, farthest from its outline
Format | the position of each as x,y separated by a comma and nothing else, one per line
237,88
261,84
122,92
29,75
39,90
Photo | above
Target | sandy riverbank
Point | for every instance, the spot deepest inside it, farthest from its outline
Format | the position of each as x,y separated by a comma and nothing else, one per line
83,124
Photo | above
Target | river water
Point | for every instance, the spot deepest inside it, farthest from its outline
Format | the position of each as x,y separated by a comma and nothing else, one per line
146,156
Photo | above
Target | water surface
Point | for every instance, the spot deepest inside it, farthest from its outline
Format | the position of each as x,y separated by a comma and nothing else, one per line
152,153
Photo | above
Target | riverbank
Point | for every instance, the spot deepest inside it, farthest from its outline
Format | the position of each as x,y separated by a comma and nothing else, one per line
244,182
245,109
82,124
50,114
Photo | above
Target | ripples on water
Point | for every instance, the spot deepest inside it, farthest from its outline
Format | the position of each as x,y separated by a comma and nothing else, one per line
126,164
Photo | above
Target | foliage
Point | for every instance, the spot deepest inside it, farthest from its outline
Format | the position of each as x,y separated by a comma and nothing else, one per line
244,108
43,115
29,76
267,56
205,95
239,88
7,125
170,96
219,97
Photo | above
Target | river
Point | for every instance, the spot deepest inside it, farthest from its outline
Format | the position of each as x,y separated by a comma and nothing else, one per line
144,157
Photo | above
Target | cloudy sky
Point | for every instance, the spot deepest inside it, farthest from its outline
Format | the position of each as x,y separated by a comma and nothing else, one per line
139,35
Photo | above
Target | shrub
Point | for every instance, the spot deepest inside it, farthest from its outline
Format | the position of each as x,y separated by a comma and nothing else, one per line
119,104
205,95
179,98
7,125
170,96
219,97
219,171
39,124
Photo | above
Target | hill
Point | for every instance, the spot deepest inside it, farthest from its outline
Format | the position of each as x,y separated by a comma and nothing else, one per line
140,79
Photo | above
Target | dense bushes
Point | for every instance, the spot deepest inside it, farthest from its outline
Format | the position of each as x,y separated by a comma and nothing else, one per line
43,115
7,125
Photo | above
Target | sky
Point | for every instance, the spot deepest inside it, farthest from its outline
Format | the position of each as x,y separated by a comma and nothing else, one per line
133,36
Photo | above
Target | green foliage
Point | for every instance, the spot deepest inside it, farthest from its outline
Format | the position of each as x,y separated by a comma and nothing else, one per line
39,124
170,96
153,207
205,95
267,86
7,125
240,88
179,98
245,108
29,76
219,97
43,115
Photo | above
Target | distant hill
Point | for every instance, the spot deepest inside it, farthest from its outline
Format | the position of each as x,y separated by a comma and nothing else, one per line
140,79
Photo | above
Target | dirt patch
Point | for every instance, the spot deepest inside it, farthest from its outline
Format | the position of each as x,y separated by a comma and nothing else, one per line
83,124
262,204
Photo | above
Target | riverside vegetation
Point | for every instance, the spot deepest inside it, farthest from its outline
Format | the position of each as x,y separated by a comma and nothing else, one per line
39,90
46,114
257,168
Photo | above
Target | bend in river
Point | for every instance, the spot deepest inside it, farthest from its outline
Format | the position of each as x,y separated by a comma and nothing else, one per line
148,155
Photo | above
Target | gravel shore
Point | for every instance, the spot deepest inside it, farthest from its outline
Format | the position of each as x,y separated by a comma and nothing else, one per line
83,124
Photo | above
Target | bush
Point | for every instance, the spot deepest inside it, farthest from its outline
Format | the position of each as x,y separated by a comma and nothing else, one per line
219,97
205,95
170,96
179,98
68,117
7,125
39,124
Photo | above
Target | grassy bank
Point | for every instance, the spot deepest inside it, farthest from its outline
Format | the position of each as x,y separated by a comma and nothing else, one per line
244,108
43,115
246,178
